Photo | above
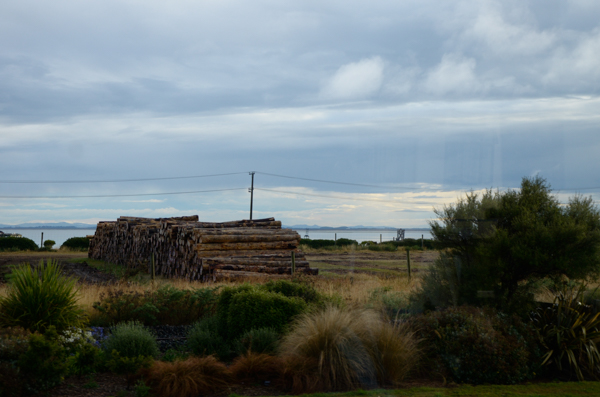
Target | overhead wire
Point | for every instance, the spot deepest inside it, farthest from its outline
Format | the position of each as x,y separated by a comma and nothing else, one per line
126,195
125,180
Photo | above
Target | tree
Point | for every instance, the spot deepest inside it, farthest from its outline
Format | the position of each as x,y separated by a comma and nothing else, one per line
506,242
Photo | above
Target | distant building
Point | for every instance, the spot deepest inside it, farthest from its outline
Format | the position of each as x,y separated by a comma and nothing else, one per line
2,234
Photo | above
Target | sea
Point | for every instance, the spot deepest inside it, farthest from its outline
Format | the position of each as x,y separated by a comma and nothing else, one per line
60,235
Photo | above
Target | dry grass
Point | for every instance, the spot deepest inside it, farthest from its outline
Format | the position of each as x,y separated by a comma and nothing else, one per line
192,377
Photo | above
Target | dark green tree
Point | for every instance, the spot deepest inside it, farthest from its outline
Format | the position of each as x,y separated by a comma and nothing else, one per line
506,242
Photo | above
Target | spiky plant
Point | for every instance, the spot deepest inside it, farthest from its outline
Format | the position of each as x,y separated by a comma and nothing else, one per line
40,297
569,331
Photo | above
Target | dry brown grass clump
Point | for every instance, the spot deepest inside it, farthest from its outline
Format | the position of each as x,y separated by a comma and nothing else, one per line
256,367
351,348
192,377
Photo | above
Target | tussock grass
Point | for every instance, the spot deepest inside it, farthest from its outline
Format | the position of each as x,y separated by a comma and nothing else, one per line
256,367
350,348
189,378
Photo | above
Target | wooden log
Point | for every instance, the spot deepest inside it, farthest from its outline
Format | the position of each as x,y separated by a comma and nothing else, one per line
260,246
249,238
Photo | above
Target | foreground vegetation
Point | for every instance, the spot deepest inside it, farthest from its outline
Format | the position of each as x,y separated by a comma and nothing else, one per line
504,303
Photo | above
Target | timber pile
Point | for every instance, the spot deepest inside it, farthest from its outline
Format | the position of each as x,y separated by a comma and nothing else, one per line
186,248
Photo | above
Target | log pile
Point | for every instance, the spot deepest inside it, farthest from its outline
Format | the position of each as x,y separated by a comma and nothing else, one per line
186,248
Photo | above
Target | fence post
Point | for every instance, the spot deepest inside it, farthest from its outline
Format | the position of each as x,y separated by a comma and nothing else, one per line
408,261
380,238
42,243
293,263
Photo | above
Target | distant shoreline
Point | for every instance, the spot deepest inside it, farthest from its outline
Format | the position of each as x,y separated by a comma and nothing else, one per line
49,228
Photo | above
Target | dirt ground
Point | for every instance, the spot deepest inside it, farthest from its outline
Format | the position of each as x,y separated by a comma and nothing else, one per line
81,271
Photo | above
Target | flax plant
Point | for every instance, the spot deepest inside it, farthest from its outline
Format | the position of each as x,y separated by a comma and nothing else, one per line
40,297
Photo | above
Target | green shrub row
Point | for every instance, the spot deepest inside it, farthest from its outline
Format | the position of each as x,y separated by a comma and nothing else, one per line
77,243
167,305
17,244
321,243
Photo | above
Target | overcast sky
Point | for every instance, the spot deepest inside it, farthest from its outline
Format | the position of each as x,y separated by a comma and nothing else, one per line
421,100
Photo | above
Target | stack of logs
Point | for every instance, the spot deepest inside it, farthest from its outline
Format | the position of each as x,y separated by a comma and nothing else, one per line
186,248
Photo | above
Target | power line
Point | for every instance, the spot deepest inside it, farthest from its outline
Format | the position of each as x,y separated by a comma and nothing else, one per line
343,183
126,180
124,195
336,197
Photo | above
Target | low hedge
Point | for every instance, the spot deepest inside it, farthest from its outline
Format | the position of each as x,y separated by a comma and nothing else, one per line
17,244
77,243
321,243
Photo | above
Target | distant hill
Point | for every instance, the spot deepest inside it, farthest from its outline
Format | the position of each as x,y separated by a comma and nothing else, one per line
53,225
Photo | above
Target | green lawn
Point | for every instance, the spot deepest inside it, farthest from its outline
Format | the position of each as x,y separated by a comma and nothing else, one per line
564,389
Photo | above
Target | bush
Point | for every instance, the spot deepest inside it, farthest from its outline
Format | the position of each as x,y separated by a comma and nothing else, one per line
294,288
166,306
17,244
569,331
319,243
77,243
44,364
259,340
205,339
392,304
347,349
48,244
256,367
192,377
13,343
476,346
258,309
127,366
506,242
131,339
390,247
40,297
439,286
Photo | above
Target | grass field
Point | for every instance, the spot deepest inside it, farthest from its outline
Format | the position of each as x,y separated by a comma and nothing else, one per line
565,389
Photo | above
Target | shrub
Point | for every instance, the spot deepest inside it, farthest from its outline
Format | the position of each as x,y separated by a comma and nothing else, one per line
569,331
13,343
131,339
44,364
205,339
259,309
17,244
349,348
86,359
48,244
392,304
476,346
258,340
295,288
390,247
40,297
439,286
256,367
319,243
192,377
77,243
127,366
166,306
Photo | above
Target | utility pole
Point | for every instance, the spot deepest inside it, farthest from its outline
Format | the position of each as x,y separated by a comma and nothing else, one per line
251,190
